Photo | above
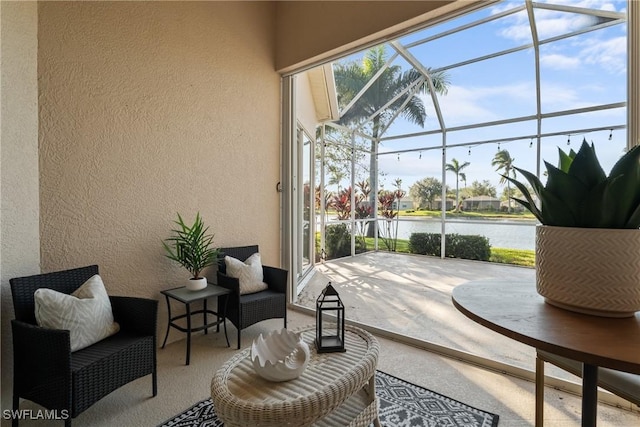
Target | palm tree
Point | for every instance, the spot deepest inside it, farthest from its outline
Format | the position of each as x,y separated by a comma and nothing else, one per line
336,176
504,162
352,77
456,168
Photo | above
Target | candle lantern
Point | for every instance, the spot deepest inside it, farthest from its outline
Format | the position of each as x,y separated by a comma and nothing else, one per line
329,321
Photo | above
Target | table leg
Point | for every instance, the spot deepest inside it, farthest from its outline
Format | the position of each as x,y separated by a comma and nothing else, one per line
168,320
218,314
589,394
188,333
539,392
204,315
371,391
224,317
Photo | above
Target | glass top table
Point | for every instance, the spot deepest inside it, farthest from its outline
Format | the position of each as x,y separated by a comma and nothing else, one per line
187,297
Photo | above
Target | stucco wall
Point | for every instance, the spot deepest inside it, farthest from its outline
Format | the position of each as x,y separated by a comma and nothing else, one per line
148,109
19,236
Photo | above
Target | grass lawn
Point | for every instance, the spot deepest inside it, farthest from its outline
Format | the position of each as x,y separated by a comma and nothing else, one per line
513,256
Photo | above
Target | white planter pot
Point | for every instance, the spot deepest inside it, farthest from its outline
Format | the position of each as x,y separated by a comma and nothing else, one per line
589,270
197,284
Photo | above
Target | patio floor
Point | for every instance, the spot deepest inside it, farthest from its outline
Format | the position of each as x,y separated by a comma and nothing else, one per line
410,295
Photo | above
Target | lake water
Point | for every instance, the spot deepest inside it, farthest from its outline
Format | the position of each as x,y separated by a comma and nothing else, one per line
501,234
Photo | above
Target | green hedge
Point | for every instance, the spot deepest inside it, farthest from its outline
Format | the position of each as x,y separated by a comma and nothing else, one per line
457,246
338,241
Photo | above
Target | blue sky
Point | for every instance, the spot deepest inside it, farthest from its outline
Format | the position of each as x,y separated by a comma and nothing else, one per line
582,71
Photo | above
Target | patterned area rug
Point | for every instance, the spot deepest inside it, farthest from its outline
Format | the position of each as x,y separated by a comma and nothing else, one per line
401,404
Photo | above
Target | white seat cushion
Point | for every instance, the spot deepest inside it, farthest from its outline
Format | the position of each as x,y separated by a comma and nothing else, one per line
86,312
248,273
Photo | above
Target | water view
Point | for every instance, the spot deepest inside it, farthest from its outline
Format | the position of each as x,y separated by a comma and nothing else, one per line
501,234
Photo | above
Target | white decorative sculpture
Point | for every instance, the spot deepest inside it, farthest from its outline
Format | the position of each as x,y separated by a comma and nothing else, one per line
280,356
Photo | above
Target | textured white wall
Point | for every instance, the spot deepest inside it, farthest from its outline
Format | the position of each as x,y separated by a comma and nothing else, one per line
19,236
148,109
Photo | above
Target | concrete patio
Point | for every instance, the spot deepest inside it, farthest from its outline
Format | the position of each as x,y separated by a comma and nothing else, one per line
410,295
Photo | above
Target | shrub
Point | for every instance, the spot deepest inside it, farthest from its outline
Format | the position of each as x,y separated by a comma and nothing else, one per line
338,241
468,247
425,244
456,245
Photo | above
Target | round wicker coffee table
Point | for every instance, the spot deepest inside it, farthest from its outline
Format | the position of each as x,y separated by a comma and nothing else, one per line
336,389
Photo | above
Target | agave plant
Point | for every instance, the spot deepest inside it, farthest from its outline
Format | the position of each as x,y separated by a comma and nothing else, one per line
578,193
190,246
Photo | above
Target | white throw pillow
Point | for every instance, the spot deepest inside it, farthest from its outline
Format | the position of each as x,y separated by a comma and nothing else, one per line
86,312
249,273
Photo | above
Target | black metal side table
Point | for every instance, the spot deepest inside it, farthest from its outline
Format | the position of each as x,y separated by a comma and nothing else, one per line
187,297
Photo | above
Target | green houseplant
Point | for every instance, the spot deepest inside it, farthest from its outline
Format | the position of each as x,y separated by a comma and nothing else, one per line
588,243
191,247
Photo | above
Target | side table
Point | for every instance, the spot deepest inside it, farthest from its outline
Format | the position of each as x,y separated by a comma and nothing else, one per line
185,296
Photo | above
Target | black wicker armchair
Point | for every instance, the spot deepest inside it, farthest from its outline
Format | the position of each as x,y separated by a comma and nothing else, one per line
245,310
49,374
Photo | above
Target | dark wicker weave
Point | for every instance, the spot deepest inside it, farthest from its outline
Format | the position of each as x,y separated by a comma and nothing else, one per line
245,310
47,372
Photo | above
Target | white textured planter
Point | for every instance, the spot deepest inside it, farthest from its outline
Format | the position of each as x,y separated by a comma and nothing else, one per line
589,270
197,284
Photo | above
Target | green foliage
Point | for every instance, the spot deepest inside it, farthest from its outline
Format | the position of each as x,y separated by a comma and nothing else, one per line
338,241
579,194
467,247
425,191
190,246
483,188
425,244
521,257
457,246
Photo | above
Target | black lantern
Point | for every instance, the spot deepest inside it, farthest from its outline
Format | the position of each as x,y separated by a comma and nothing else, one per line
329,332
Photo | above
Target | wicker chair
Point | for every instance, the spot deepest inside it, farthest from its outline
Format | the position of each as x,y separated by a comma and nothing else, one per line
49,374
245,310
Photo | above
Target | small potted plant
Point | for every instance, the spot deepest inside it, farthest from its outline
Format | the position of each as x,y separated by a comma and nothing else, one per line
190,246
588,246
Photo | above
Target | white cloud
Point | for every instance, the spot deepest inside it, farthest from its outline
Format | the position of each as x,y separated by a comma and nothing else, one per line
560,97
464,105
609,54
559,62
550,23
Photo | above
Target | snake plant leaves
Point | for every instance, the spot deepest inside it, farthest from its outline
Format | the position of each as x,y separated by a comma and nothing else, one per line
537,186
586,167
565,159
578,193
566,187
626,189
